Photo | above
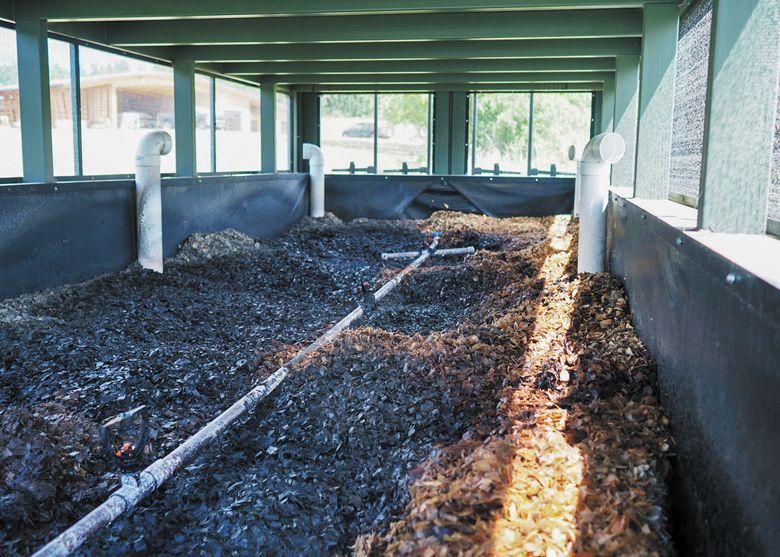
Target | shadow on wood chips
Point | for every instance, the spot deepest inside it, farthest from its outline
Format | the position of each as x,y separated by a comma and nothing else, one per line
494,404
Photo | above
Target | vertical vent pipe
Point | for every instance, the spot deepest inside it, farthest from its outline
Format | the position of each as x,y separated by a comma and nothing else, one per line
148,198
599,154
574,155
313,154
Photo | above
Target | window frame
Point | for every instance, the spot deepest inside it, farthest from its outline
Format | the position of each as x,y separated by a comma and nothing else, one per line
531,171
375,117
76,107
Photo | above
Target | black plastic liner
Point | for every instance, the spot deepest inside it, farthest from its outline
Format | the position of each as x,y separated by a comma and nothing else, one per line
398,197
717,345
54,234
264,205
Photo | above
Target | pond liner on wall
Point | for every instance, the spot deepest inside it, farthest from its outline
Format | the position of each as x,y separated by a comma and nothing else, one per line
54,234
399,197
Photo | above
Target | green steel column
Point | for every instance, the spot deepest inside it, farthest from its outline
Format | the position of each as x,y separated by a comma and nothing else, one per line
608,106
626,103
450,132
441,132
656,101
596,116
268,127
459,133
307,124
34,102
184,116
740,115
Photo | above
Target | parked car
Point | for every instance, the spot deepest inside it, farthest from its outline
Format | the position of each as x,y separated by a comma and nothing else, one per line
136,120
364,129
167,121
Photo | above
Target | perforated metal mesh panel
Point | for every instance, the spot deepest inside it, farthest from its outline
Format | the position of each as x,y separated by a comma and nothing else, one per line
774,186
690,92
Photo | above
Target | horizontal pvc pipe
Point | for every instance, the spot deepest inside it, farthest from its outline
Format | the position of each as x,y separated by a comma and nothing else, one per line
131,493
438,252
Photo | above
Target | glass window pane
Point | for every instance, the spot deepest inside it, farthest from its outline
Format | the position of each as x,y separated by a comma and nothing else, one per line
403,132
690,96
347,131
122,99
61,108
203,123
501,133
283,146
560,120
238,127
10,132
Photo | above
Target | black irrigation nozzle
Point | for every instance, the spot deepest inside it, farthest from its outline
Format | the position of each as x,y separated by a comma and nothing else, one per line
124,436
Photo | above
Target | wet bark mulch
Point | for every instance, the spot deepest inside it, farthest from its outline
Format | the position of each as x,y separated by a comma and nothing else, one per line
492,404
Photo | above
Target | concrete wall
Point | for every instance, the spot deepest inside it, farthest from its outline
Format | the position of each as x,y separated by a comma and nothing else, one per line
717,343
53,234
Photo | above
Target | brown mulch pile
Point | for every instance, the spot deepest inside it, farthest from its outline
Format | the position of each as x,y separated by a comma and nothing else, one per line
571,454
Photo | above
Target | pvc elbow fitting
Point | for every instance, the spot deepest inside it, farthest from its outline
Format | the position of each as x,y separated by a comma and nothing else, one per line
605,148
313,154
151,147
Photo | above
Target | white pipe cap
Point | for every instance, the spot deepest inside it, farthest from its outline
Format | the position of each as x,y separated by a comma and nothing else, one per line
606,148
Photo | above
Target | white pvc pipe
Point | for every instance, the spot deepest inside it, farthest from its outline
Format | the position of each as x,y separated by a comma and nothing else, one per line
132,492
600,153
438,252
313,154
148,200
574,155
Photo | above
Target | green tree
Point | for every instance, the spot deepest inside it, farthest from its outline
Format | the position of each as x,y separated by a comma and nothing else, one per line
348,105
405,108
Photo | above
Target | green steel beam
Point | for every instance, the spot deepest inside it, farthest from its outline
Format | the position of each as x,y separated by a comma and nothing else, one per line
268,128
427,88
98,36
76,10
184,116
561,48
656,101
34,103
739,130
626,105
608,106
6,9
418,66
561,24
476,78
